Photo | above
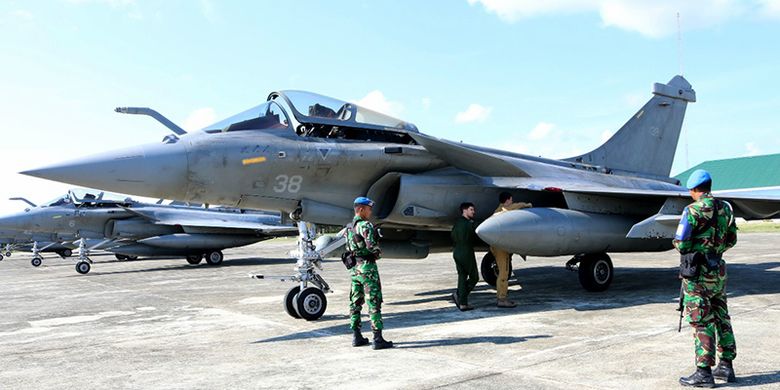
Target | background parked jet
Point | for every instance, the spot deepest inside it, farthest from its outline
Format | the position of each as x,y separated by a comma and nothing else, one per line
310,155
18,241
130,228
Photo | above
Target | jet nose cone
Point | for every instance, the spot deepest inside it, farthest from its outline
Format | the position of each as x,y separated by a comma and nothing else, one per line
16,222
154,170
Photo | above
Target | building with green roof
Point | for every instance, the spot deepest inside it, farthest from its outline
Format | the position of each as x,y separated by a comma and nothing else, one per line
743,172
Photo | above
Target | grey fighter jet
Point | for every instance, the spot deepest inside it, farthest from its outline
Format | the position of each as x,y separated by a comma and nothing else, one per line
130,229
310,155
17,241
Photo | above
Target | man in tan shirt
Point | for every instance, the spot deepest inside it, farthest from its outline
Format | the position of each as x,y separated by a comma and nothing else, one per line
502,257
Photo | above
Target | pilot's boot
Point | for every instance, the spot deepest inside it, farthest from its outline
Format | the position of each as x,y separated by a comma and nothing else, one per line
701,378
357,339
724,371
380,342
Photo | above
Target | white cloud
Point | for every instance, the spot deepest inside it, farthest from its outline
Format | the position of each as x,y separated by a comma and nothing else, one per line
22,14
208,11
376,100
540,131
770,8
474,113
112,3
606,135
426,103
752,149
650,18
199,119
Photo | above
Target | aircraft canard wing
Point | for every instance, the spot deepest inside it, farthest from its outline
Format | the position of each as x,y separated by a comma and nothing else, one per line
211,219
467,159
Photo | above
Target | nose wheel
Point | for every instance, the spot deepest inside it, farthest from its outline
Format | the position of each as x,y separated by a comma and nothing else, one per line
307,300
36,261
83,267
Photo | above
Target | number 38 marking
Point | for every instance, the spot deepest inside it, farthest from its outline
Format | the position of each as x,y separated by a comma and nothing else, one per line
286,183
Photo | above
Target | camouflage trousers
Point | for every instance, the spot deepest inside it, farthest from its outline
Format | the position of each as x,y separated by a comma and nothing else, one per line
707,312
365,282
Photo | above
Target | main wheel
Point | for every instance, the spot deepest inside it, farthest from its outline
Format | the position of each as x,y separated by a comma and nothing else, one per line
596,272
289,301
1,257
7,254
311,303
132,257
121,257
194,259
489,269
83,267
214,257
36,261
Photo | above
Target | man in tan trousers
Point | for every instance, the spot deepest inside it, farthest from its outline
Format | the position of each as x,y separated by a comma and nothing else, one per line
502,257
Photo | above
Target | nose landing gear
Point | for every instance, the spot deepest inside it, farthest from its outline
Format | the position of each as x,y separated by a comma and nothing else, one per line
307,300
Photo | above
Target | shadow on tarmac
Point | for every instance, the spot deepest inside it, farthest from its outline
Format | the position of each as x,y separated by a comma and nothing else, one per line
497,340
553,288
761,378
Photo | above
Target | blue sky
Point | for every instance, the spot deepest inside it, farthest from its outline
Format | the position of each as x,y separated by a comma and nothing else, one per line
551,78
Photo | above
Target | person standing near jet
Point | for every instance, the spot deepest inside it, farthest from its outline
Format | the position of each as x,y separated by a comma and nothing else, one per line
506,203
463,238
706,230
362,244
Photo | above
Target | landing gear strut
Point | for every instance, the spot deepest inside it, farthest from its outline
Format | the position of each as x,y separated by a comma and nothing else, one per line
595,270
84,263
37,259
305,301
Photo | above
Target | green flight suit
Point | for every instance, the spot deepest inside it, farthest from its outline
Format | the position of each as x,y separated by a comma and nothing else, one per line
463,239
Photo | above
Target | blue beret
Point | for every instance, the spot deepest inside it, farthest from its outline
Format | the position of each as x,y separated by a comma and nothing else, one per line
697,178
362,200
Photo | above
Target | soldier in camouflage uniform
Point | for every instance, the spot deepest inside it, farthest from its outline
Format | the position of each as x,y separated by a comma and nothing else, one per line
362,243
705,294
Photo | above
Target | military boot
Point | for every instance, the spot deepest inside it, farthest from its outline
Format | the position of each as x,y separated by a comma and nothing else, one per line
357,339
724,371
701,378
380,342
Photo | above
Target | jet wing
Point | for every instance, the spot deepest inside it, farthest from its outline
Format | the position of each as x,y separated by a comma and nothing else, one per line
210,219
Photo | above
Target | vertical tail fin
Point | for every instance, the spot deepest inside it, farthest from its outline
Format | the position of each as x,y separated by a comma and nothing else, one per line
646,144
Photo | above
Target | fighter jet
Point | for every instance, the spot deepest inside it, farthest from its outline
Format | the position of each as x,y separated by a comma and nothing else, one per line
17,241
130,229
310,155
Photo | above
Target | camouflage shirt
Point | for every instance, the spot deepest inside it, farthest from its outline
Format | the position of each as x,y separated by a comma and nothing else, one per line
364,243
693,235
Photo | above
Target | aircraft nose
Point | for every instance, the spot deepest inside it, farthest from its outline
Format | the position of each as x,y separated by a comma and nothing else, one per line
18,221
153,170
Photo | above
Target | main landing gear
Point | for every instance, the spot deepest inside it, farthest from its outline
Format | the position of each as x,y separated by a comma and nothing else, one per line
214,257
595,270
307,300
489,269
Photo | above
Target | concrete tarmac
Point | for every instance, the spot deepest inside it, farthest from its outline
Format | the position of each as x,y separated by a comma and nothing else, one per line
165,324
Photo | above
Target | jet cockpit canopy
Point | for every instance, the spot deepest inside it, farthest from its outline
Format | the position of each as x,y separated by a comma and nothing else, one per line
314,115
309,107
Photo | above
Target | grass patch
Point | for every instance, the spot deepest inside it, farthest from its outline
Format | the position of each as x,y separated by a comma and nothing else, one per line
759,227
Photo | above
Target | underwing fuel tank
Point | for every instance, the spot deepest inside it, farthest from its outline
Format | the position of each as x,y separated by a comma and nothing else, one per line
199,241
559,232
